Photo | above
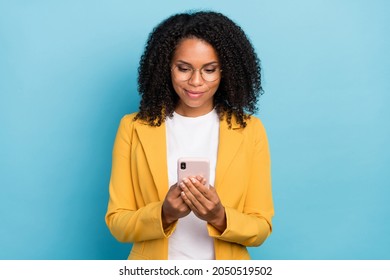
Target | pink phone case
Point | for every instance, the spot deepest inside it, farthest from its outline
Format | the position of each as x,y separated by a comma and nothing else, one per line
193,166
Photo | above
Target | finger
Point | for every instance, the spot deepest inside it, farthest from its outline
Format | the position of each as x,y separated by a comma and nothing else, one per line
193,186
184,206
207,198
194,201
193,205
201,179
174,191
199,187
175,207
188,202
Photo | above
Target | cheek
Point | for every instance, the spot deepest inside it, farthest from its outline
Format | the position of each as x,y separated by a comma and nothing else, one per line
176,86
214,87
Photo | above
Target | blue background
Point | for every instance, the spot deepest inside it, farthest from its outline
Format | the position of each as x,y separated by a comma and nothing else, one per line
68,74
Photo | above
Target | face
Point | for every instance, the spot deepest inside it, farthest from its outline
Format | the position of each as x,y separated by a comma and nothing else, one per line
195,94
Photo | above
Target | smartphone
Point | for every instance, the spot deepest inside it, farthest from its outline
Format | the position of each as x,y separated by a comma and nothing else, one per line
193,166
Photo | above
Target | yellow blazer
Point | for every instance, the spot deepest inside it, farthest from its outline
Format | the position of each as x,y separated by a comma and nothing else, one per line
139,183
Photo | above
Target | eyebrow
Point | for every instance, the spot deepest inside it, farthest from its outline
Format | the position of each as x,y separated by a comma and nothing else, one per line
206,64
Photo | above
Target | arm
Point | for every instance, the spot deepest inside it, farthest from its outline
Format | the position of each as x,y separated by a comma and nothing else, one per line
252,225
129,217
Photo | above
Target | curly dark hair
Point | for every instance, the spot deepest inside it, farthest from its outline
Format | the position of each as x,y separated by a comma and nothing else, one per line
240,84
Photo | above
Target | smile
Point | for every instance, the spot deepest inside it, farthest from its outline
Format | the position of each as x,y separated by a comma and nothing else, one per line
194,94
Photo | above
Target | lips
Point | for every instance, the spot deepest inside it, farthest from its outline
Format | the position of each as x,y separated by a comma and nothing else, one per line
194,94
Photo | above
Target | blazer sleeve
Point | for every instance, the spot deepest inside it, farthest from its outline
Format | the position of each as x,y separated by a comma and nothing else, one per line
126,219
252,225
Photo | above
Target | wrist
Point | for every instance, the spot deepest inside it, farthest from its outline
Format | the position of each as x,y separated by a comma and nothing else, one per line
220,222
166,221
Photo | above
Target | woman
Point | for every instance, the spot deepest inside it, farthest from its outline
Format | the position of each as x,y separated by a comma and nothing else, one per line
199,80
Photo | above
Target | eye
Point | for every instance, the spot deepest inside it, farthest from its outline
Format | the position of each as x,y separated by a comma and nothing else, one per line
209,70
183,68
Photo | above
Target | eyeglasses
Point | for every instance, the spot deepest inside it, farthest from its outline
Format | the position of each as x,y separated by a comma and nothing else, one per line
184,72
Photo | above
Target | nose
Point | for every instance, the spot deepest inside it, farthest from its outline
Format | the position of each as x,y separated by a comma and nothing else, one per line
196,78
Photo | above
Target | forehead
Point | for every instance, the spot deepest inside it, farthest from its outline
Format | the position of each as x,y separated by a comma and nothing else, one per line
195,52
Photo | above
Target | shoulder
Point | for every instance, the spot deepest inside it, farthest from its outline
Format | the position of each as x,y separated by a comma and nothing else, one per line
129,120
255,129
128,124
254,123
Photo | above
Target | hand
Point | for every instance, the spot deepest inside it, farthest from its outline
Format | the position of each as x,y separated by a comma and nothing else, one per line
203,201
173,207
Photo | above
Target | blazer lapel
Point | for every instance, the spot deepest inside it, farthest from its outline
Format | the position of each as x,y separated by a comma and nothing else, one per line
153,141
229,144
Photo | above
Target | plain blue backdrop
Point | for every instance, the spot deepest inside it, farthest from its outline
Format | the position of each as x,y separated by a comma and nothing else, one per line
68,73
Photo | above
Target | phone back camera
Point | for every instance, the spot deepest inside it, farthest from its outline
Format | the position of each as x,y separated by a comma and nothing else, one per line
183,165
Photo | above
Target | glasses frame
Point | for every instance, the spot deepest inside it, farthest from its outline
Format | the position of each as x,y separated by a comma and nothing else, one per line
193,71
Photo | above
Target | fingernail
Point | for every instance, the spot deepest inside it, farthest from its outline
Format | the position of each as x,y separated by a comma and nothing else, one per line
193,180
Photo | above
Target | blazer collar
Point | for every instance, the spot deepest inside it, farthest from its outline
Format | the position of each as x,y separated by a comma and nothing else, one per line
153,140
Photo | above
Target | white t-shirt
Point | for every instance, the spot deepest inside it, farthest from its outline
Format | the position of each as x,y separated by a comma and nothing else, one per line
191,137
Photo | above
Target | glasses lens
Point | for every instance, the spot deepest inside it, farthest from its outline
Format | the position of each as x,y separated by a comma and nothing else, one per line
185,72
210,74
182,72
